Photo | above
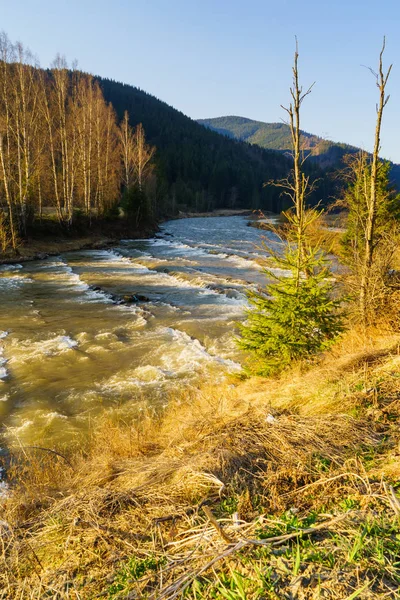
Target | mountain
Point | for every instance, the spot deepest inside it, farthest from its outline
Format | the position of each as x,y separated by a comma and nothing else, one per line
276,136
197,168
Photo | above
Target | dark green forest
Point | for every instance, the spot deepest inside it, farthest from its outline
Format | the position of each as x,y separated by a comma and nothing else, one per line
197,168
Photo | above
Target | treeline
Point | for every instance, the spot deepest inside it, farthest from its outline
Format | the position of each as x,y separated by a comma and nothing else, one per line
61,146
73,146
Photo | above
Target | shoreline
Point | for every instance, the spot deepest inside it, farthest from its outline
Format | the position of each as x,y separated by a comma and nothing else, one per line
39,249
222,212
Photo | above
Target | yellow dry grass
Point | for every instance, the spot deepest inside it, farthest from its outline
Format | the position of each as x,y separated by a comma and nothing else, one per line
184,494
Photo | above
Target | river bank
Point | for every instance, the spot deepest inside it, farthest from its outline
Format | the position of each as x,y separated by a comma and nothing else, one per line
56,240
138,463
50,239
276,488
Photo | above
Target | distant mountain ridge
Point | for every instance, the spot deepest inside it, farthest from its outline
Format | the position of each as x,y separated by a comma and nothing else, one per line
276,136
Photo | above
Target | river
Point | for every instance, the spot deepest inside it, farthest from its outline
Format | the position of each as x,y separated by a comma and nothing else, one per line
69,351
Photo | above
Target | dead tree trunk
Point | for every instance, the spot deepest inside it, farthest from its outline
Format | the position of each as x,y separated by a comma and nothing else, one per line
300,183
381,81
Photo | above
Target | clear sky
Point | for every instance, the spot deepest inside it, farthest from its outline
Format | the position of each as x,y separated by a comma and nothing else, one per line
211,58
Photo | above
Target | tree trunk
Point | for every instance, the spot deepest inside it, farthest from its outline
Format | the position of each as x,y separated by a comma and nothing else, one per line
381,81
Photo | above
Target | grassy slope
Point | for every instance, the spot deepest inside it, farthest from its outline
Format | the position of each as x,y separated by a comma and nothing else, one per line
209,500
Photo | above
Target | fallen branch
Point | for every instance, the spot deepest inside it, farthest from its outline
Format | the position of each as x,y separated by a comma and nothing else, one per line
52,452
217,526
177,588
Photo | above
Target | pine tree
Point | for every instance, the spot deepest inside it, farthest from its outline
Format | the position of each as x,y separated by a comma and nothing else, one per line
294,317
297,316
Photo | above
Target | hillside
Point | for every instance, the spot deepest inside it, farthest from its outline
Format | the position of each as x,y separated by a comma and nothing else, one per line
276,136
198,168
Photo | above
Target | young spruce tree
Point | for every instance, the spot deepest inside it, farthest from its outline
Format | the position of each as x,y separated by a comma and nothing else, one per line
296,316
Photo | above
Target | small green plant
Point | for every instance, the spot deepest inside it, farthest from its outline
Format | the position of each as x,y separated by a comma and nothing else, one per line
357,546
233,585
132,571
349,504
228,505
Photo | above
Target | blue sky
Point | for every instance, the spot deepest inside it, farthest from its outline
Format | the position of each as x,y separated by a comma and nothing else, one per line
231,57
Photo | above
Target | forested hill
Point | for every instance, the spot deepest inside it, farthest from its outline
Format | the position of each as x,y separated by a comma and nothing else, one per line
197,168
276,136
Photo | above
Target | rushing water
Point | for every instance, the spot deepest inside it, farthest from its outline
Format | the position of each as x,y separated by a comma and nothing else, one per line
68,351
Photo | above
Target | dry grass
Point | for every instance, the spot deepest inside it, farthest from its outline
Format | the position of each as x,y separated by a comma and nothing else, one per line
255,489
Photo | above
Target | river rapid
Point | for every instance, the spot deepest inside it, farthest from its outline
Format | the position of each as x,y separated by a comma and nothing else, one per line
69,351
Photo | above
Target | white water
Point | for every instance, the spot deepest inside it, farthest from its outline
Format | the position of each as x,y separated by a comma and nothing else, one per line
69,351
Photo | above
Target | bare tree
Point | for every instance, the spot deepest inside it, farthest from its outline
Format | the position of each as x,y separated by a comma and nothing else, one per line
66,137
142,156
19,123
7,56
25,101
298,187
381,81
107,154
83,122
127,150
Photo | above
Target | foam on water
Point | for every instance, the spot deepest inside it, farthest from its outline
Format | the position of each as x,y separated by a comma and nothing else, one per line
190,352
207,287
50,416
239,258
4,488
38,421
70,278
190,284
14,282
177,356
10,267
51,347
51,264
179,247
18,429
140,320
278,272
244,262
3,360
